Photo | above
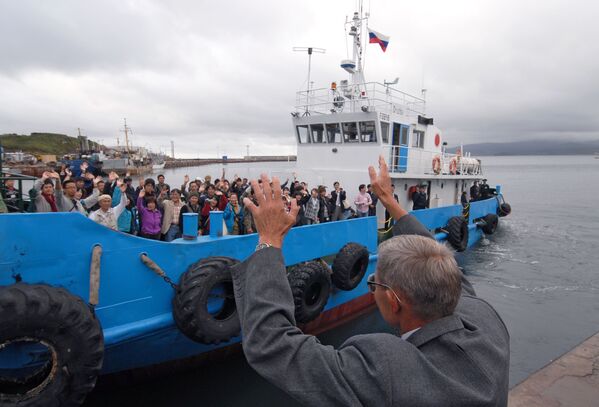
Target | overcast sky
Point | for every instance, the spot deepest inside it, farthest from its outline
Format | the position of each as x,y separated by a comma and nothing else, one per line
215,76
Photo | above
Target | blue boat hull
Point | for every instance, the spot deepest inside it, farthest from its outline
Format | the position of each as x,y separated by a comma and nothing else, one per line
134,306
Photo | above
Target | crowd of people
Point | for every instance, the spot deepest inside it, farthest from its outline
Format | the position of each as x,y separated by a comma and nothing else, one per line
154,210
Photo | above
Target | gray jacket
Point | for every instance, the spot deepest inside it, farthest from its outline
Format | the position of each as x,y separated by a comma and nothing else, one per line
459,360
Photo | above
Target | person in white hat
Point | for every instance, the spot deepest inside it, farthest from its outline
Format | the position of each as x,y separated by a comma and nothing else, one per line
106,215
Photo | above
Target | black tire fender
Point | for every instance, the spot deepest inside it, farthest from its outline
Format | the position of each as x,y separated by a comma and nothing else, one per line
457,229
504,209
491,223
73,340
349,266
310,285
190,305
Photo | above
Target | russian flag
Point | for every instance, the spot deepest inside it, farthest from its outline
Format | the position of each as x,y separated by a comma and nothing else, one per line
378,38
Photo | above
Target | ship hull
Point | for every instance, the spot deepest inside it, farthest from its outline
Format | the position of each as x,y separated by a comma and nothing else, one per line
135,309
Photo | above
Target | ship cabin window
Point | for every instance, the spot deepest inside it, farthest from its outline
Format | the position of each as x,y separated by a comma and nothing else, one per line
403,137
418,139
350,132
303,136
317,131
333,133
367,132
385,132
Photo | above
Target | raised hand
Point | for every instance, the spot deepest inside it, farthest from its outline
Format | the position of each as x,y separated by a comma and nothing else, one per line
113,176
186,179
45,175
89,175
142,193
54,175
271,219
381,185
121,185
141,182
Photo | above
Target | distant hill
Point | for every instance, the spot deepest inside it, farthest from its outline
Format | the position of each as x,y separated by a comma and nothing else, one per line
533,147
40,143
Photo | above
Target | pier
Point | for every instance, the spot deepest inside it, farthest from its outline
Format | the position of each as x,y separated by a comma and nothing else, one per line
194,162
571,380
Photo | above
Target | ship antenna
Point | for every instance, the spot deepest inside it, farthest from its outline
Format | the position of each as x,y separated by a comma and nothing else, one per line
310,50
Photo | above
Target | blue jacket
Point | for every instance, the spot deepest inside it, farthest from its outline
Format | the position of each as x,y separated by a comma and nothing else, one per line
229,217
125,222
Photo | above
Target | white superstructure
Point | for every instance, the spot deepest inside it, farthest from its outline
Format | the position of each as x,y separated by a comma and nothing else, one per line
342,129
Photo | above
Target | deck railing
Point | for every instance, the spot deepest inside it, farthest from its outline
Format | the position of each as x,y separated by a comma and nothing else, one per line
369,96
412,160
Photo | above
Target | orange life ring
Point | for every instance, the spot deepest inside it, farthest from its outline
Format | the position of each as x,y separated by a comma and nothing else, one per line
411,191
453,166
437,164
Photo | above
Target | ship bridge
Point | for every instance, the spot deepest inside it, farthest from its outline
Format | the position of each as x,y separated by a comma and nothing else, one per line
348,127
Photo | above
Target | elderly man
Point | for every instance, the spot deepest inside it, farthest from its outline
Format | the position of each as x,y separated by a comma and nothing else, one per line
106,215
452,349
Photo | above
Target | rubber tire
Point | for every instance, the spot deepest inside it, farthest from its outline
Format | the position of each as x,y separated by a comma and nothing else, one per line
66,324
504,209
349,266
491,224
190,310
457,229
310,285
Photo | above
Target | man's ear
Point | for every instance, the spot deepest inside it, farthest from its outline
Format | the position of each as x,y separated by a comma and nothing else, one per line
395,305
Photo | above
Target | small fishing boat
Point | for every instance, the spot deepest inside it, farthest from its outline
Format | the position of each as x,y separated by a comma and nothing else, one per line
78,300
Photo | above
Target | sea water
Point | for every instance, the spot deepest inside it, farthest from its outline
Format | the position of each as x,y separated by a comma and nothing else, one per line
540,271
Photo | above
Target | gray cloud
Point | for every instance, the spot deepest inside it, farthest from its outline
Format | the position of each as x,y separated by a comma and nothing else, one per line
215,77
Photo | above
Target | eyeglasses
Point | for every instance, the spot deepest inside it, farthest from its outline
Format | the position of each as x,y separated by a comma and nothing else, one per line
373,284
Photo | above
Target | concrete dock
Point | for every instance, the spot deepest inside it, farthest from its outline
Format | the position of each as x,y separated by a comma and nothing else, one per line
572,380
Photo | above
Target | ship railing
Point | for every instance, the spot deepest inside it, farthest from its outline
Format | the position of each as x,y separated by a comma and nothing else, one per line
417,161
370,96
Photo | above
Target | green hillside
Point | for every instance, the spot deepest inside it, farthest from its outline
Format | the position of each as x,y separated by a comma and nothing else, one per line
40,143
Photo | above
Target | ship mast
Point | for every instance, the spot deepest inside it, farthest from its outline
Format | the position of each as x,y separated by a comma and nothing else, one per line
355,66
126,131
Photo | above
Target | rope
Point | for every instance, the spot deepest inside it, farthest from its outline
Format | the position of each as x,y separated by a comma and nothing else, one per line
156,269
94,276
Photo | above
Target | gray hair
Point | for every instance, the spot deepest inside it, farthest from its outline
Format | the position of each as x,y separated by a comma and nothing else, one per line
424,271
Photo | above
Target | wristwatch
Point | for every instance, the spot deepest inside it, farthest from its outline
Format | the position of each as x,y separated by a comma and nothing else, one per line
261,246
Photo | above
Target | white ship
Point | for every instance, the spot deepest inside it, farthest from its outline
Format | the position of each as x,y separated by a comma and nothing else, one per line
343,128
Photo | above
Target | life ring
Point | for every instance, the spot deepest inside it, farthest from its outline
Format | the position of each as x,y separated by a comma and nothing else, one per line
457,230
491,223
453,166
59,342
349,266
310,285
204,305
411,191
437,164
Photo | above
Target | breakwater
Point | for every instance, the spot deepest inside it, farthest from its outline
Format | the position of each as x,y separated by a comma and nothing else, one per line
194,162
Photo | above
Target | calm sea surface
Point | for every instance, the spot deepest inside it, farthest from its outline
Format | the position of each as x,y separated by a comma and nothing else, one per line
540,271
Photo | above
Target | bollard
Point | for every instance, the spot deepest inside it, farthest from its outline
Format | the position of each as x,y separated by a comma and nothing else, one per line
216,224
498,189
190,226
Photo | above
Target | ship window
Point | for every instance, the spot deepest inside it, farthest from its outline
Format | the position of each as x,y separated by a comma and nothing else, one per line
350,132
418,139
317,133
367,133
385,132
333,133
403,139
302,134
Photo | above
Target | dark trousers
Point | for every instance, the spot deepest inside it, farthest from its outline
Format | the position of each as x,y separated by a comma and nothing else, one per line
149,236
